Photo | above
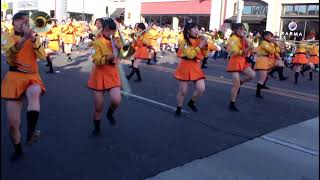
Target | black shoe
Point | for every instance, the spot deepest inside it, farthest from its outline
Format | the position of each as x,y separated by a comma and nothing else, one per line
233,107
16,156
259,96
283,78
34,137
177,114
265,87
302,73
96,132
204,67
50,72
192,106
69,59
138,80
110,117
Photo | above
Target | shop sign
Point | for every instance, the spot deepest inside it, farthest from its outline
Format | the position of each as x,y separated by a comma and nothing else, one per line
292,26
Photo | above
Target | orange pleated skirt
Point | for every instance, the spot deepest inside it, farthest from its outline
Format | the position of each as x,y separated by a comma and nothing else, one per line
299,59
14,84
188,70
237,64
69,39
142,52
314,59
54,45
264,63
104,78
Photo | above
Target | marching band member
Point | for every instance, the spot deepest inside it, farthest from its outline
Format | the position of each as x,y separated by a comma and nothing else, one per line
154,34
69,38
191,54
238,50
105,74
276,60
299,59
23,81
53,45
164,40
143,47
265,60
313,51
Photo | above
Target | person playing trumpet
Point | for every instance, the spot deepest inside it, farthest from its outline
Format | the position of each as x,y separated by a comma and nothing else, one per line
143,49
238,49
23,81
53,44
191,53
105,74
299,59
313,61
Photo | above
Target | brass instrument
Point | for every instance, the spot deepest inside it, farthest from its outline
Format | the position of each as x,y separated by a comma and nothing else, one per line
40,22
138,34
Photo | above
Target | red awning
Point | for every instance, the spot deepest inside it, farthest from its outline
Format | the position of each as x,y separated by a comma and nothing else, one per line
177,7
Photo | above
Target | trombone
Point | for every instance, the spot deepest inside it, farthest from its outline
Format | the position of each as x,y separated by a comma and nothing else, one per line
40,22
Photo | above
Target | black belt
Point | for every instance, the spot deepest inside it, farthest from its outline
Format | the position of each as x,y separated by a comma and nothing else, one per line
55,40
300,53
15,69
188,59
313,55
69,33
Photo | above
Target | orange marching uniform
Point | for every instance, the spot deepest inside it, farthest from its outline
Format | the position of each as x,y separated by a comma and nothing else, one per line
104,75
237,62
154,34
141,46
189,68
300,56
314,54
53,36
265,56
69,34
23,68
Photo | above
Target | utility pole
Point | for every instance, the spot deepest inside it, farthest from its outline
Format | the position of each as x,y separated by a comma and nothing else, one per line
240,4
82,10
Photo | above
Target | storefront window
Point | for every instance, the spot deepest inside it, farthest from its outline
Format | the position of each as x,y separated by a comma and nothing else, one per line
155,19
204,22
312,30
166,20
247,10
181,21
288,9
312,9
302,9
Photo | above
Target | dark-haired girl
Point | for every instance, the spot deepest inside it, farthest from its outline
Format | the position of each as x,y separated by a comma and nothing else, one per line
238,48
191,53
105,75
142,51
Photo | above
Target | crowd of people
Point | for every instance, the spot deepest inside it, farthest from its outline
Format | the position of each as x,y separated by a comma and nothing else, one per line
249,54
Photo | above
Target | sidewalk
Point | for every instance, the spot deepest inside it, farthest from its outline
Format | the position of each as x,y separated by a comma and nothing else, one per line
291,153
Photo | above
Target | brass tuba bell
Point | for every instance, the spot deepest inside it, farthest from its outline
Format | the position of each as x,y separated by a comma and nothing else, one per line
40,21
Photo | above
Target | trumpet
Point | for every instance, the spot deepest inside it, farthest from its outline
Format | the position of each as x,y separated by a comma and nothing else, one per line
40,22
137,34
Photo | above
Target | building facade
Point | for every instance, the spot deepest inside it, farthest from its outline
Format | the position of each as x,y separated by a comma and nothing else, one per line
86,10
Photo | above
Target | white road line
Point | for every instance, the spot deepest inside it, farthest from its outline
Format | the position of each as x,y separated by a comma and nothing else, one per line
290,145
152,101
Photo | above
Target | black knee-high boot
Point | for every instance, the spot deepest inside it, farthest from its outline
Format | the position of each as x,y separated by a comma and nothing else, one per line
264,84
310,75
132,61
258,91
32,119
274,69
281,76
204,61
133,71
139,75
96,129
155,57
110,117
49,64
304,69
296,76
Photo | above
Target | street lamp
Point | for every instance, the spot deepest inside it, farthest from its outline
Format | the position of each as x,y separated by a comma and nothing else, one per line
82,10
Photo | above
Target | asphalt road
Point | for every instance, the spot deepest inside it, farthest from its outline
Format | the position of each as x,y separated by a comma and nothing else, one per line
148,139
